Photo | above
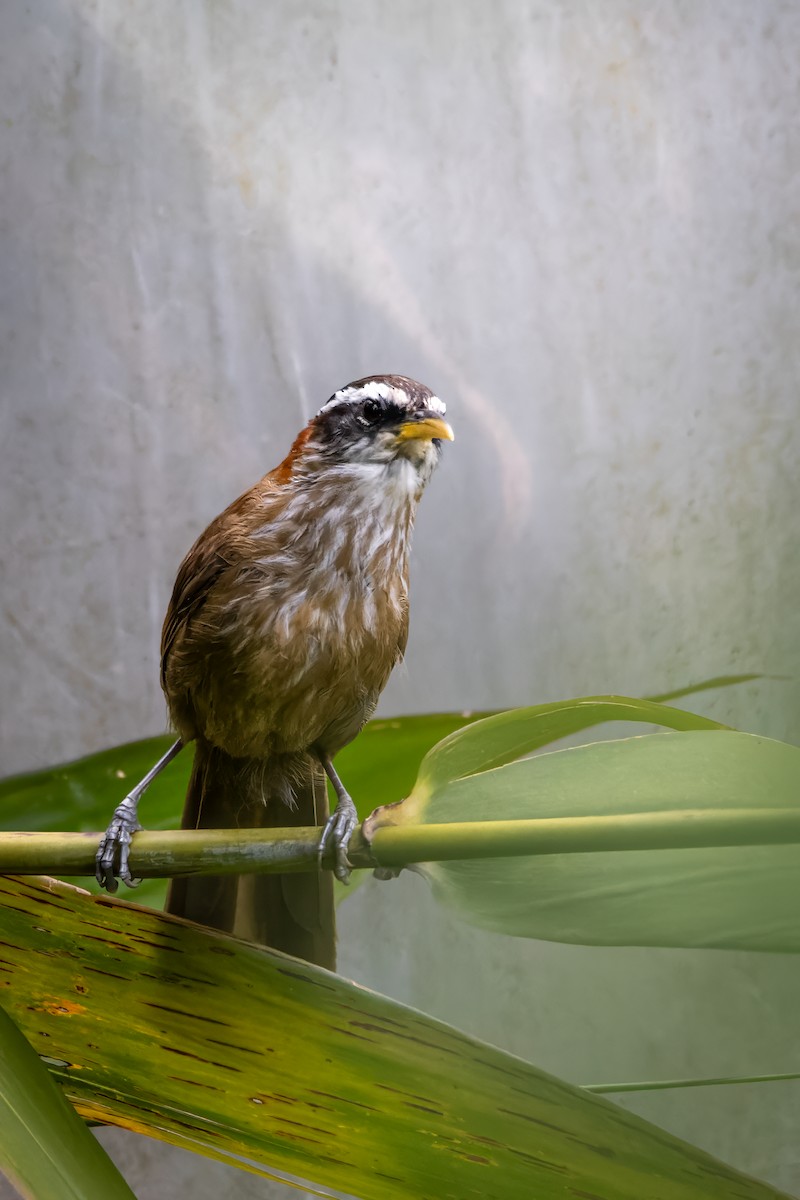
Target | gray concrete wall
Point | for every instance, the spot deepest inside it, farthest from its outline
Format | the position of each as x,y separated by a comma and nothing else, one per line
579,224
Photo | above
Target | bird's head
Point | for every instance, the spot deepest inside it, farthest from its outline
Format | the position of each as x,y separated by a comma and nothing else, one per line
381,421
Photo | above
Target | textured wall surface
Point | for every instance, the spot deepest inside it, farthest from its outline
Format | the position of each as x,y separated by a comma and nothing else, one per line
579,224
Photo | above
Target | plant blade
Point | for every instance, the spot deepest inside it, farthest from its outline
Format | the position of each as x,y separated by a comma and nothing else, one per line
721,896
711,685
45,1148
212,1043
504,737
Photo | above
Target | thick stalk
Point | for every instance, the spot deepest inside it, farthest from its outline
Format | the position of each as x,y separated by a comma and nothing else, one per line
223,851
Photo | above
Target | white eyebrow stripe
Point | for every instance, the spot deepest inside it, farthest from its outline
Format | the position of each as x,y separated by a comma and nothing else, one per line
374,390
369,391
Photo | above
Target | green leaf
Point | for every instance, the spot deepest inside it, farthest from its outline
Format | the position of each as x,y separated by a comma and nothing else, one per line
709,685
507,736
724,896
252,1057
81,795
380,766
45,1149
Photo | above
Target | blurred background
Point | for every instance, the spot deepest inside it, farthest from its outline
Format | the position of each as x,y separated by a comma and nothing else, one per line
579,224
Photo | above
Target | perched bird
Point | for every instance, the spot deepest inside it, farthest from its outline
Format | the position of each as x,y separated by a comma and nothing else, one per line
286,619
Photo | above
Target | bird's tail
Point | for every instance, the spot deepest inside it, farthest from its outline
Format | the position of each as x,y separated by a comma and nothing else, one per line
294,912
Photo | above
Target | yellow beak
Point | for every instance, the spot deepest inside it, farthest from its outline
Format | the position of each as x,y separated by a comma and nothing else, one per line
428,428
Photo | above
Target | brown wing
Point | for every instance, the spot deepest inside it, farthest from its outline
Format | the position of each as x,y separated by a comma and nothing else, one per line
217,549
197,574
220,550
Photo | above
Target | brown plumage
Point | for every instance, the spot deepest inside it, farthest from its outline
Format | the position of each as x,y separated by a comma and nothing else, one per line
286,619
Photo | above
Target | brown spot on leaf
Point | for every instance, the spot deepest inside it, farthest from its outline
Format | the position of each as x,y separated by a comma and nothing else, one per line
209,1062
109,974
195,1083
57,1007
243,1049
306,979
344,1100
183,1013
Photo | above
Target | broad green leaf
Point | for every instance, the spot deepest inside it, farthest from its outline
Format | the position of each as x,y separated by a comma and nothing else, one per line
45,1148
220,1046
379,767
81,795
734,897
507,736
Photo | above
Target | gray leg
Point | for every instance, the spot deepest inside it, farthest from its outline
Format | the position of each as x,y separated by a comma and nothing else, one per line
341,823
124,824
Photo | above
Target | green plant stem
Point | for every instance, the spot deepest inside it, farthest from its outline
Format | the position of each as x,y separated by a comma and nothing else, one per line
240,851
660,1085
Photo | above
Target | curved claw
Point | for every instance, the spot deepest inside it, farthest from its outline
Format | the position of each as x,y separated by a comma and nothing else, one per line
124,824
338,830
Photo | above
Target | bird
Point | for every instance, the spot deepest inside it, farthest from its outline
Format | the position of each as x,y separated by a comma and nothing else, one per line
286,620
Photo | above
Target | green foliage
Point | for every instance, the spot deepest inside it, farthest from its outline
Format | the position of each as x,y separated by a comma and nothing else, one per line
505,737
45,1149
252,1057
735,897
287,1070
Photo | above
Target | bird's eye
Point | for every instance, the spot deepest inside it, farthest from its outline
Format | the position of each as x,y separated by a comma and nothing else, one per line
373,410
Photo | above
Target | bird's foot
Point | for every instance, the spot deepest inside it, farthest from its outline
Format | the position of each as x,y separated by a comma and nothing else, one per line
124,824
338,831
